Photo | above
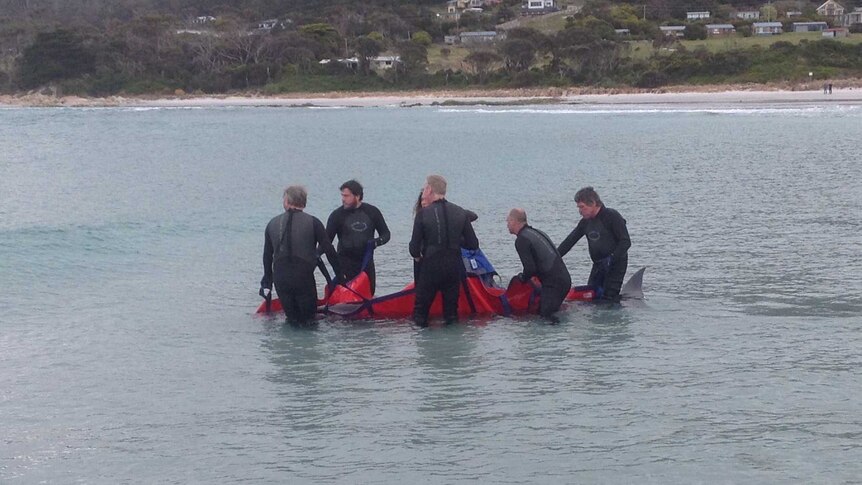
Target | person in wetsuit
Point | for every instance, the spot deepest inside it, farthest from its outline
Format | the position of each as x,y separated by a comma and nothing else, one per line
540,258
608,240
420,204
354,223
440,229
290,252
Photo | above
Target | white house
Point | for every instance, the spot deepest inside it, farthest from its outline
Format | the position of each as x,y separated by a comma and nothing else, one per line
767,28
831,8
673,30
748,14
696,15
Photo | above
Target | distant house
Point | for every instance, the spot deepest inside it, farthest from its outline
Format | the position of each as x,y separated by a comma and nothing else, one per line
719,30
767,28
476,4
854,17
382,63
696,15
481,38
270,24
747,14
452,39
793,13
203,19
538,7
267,24
836,32
623,32
673,30
831,9
379,63
809,26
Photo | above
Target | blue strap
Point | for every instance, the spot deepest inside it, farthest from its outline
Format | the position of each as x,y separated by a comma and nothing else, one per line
507,308
366,258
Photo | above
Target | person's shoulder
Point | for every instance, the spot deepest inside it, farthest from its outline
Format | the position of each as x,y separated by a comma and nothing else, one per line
336,212
275,219
370,208
314,219
612,213
456,207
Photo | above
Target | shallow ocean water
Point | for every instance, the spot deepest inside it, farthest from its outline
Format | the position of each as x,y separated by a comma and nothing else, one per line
130,246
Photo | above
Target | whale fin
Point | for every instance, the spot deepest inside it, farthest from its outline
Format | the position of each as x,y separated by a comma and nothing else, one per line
633,289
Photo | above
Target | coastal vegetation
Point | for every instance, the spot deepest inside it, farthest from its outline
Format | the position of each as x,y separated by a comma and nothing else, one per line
104,47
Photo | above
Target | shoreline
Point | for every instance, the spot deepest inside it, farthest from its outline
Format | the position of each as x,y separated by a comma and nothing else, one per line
844,91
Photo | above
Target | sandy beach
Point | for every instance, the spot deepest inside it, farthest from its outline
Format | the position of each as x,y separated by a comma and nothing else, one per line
844,93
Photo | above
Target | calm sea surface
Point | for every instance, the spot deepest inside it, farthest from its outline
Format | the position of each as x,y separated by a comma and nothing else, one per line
130,255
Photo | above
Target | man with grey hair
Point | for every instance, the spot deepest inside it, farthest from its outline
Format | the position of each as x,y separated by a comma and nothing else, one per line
608,241
440,230
541,259
290,252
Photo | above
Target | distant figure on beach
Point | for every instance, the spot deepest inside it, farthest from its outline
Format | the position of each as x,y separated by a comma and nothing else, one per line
540,258
290,252
440,229
354,223
608,240
825,88
830,88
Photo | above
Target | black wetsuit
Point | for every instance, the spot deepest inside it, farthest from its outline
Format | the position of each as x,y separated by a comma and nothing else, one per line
289,257
541,258
471,216
354,228
439,232
607,235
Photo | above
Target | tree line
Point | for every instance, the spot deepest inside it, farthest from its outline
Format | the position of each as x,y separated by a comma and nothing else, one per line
150,46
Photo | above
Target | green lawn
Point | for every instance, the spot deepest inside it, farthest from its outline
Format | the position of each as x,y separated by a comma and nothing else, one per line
642,49
438,62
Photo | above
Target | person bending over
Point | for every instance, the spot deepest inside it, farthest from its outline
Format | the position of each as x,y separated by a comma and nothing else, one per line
540,258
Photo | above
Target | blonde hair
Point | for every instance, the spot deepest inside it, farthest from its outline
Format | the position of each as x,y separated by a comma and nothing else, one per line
437,184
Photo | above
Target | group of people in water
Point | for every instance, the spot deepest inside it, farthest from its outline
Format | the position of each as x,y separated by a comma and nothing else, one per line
294,241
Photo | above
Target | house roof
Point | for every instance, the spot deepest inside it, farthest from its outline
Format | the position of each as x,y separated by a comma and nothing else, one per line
768,24
827,2
672,27
486,33
719,26
810,23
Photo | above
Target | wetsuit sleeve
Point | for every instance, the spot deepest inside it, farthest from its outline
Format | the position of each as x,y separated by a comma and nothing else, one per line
570,240
266,281
523,248
382,228
471,216
325,246
621,233
332,225
468,236
416,238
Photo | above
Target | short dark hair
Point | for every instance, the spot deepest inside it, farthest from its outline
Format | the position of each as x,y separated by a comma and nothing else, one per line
353,186
589,196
